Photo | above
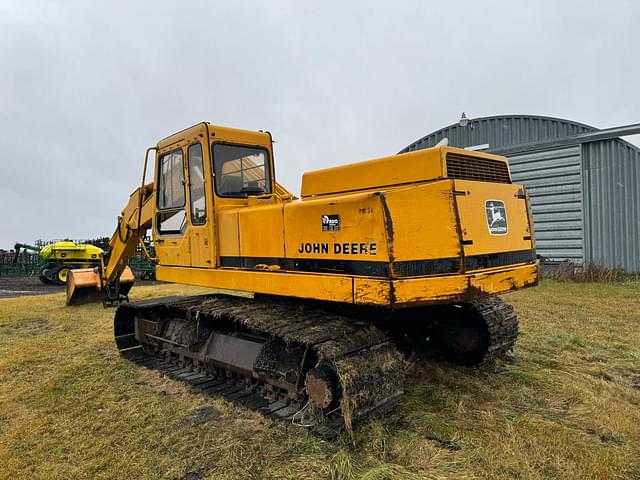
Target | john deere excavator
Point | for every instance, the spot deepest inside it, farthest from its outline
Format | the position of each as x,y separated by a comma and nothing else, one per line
404,254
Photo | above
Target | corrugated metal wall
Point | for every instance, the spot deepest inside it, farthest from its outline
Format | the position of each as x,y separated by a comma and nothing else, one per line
611,177
554,183
585,198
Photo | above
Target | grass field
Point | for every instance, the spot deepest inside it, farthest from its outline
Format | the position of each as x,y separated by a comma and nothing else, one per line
565,405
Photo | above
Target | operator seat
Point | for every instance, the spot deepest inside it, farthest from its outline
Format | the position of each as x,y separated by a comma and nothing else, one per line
230,184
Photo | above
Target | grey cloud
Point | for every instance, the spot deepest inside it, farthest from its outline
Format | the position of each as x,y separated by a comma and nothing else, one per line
86,86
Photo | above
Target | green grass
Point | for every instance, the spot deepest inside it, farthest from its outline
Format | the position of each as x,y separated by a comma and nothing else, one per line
565,405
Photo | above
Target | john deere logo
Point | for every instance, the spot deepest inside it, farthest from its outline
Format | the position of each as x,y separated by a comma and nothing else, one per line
496,217
330,222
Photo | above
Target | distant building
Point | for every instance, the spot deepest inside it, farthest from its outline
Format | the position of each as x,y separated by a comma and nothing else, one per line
584,183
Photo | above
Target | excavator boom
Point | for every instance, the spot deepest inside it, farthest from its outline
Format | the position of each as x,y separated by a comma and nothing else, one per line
113,280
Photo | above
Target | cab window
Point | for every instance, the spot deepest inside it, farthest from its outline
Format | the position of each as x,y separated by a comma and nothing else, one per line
196,185
240,171
171,193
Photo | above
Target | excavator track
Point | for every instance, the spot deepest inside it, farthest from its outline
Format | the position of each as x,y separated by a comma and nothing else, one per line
301,363
472,333
467,334
290,361
502,326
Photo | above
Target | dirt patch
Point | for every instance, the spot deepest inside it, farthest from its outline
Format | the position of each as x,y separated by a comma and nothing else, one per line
605,438
624,376
19,286
203,415
23,286
37,326
108,353
194,476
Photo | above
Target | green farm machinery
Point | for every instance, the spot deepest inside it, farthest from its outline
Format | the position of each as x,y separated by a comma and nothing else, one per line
51,261
56,259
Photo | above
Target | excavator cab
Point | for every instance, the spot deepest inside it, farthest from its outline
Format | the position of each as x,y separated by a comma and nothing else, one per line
203,176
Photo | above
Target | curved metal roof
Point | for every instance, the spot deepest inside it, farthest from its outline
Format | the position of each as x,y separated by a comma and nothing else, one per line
502,131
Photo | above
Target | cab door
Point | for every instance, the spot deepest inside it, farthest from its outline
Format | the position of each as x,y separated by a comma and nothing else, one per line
170,221
200,223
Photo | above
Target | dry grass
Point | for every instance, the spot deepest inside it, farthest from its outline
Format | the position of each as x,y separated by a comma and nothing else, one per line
591,272
567,405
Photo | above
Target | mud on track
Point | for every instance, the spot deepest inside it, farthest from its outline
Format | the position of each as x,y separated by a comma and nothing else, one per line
20,286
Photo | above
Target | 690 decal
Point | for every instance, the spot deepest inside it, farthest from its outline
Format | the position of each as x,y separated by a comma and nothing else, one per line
330,223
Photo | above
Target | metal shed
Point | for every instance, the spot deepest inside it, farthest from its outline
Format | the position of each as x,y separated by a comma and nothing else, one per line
583,182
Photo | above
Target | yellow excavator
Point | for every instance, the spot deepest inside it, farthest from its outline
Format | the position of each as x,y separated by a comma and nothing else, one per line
401,255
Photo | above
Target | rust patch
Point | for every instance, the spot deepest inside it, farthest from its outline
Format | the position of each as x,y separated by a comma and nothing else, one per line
454,207
388,226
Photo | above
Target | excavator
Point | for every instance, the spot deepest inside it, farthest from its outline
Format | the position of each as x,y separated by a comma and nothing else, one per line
318,299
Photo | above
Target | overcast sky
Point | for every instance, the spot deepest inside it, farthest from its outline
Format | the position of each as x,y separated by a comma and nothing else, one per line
86,86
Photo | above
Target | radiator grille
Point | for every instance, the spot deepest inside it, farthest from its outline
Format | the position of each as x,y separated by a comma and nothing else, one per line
474,168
